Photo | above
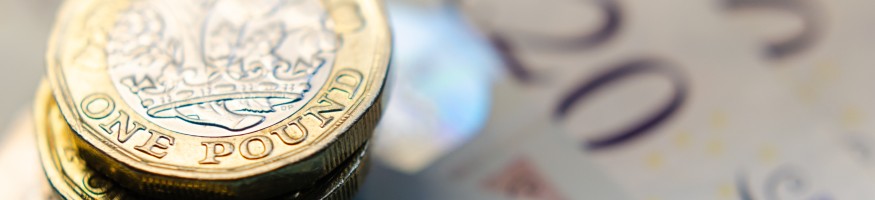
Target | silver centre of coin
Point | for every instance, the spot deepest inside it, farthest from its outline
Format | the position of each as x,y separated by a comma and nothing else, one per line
218,68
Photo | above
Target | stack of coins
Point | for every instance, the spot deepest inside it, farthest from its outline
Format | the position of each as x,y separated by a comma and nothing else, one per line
219,99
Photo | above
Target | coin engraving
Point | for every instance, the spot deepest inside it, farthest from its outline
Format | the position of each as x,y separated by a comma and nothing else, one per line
343,86
348,81
289,135
156,144
96,184
216,149
98,106
247,146
191,92
125,126
231,72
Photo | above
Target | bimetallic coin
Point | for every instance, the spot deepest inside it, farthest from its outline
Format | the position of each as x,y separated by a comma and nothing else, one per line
65,170
71,178
344,182
219,98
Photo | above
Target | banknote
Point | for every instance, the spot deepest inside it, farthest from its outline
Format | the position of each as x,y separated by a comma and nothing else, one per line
548,166
614,99
830,73
684,100
829,70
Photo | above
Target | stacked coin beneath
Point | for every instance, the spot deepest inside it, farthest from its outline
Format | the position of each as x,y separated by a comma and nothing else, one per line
230,99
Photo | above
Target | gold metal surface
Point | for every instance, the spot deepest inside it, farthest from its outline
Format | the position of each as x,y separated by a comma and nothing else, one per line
68,174
71,178
144,155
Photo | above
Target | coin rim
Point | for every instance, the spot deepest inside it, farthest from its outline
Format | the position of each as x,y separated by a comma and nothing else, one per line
371,12
62,185
263,178
342,183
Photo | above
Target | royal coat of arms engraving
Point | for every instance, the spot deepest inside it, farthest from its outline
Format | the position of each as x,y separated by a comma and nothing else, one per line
226,66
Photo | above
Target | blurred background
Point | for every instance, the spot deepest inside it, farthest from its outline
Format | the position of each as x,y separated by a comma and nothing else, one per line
591,99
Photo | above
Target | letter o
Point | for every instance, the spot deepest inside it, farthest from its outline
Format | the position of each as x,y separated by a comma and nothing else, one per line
96,111
248,154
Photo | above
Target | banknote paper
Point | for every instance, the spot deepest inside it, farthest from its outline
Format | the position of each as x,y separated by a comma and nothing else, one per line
545,167
615,99
831,76
676,102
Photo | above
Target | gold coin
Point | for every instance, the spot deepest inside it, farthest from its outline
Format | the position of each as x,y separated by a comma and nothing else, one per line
218,98
71,178
66,171
344,182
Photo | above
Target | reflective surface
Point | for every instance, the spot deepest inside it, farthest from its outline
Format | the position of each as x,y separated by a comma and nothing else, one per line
235,71
616,99
247,66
